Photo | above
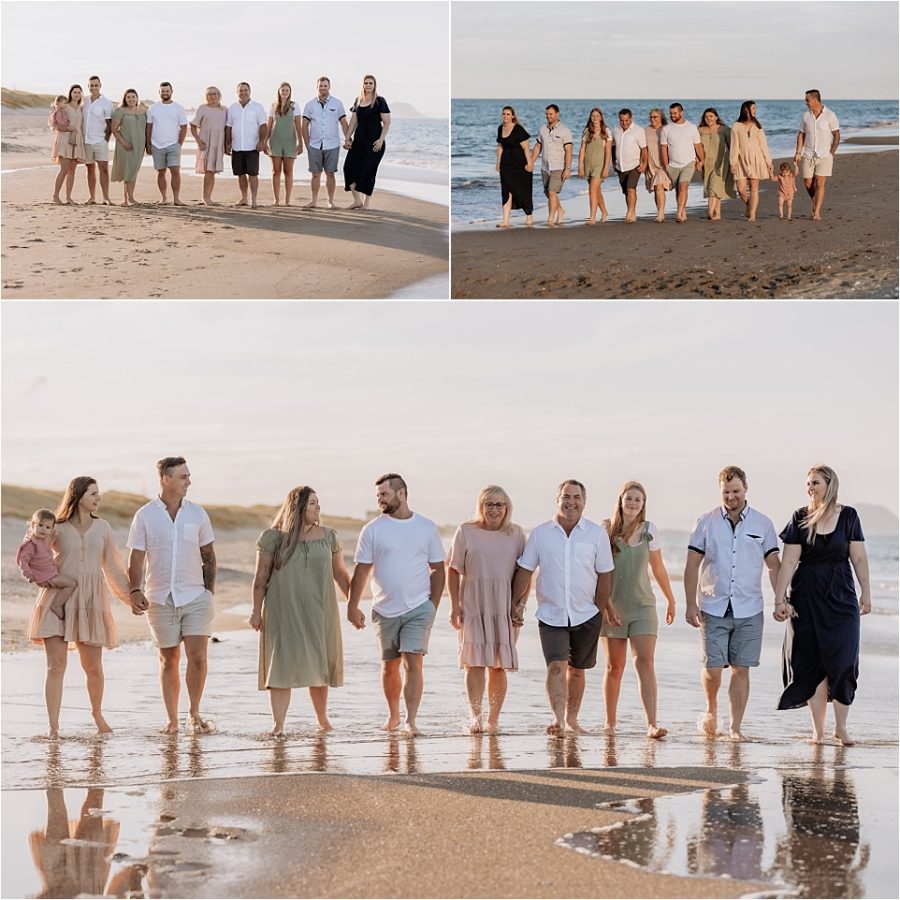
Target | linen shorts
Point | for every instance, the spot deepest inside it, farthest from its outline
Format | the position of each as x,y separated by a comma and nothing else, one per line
552,181
323,160
572,644
629,179
811,167
682,175
728,641
170,623
636,620
406,633
96,153
166,157
595,171
245,162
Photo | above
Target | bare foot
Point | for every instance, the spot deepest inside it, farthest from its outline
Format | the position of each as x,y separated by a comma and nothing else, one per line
53,734
498,225
107,203
476,726
529,222
242,203
844,738
603,217
816,739
660,219
102,725
735,735
309,205
591,222
57,202
492,727
609,728
276,203
560,215
254,205
178,203
91,202
58,611
208,202
329,205
324,727
411,730
391,724
655,732
556,729
162,202
708,724
277,733
817,218
288,203
360,206
572,725
196,725
170,728
630,220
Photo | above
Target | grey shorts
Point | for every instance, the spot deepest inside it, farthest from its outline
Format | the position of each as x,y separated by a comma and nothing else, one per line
406,633
166,157
323,160
94,153
728,641
682,175
170,623
553,181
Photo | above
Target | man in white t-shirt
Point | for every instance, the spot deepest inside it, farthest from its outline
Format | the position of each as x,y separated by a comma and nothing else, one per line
322,116
817,142
171,541
166,130
97,114
403,552
681,153
574,582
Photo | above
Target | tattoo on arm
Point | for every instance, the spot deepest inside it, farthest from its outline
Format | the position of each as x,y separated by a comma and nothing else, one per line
208,559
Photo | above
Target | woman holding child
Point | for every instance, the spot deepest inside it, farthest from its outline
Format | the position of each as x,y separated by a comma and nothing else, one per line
84,549
68,143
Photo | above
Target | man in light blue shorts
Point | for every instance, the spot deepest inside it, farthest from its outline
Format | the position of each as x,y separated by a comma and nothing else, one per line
403,552
166,130
322,117
722,584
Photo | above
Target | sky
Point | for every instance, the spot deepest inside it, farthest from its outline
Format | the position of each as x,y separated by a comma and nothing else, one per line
263,396
730,49
49,45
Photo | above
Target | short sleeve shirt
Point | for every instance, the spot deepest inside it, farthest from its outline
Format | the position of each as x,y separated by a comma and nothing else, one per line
96,115
567,566
733,559
628,144
244,122
173,562
680,140
166,119
324,122
817,133
553,146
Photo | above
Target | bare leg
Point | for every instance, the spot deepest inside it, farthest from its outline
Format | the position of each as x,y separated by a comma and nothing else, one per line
314,181
91,181
631,204
65,587
60,179
129,193
319,697
682,192
593,190
170,685
92,663
391,684
754,199
280,701
817,704
104,180
413,686
254,189
790,205
556,694
615,650
497,683
601,202
288,179
70,179
475,691
242,187
643,647
712,680
195,647
780,207
358,202
276,179
329,188
738,692
819,197
660,194
162,184
575,683
507,208
810,185
176,185
711,208
56,650
209,180
841,711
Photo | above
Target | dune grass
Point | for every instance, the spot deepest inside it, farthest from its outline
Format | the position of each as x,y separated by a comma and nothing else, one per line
24,99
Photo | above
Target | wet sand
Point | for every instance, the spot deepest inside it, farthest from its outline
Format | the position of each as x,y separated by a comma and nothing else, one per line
198,252
852,252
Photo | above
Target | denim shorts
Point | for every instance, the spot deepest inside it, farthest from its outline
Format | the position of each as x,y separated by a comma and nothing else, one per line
406,633
728,641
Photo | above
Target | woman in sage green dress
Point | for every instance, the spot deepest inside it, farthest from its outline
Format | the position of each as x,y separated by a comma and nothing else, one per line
718,180
129,128
636,553
284,142
295,607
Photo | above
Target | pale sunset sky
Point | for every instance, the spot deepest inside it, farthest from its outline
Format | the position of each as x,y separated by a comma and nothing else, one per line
262,396
49,45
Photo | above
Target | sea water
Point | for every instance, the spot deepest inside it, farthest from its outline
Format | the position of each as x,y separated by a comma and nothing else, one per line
475,184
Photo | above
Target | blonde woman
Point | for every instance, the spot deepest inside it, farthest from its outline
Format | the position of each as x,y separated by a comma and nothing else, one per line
482,562
594,158
370,122
636,552
656,178
295,607
821,646
208,129
285,141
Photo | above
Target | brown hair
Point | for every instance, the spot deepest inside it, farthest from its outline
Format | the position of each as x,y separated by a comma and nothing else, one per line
617,528
562,484
588,132
745,115
169,462
715,112
395,480
283,107
730,472
80,88
76,489
514,118
289,522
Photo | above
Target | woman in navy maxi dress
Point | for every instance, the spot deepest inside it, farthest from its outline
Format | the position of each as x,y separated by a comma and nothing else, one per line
821,645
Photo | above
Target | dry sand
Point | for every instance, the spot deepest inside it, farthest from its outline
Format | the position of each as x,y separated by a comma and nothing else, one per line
196,252
484,834
852,252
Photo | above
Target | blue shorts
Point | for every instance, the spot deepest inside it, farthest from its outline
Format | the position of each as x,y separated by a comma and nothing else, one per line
166,157
320,160
728,641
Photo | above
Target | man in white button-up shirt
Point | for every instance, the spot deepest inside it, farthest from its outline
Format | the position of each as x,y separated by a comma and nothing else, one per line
630,159
817,142
173,539
723,587
554,146
97,114
246,128
575,566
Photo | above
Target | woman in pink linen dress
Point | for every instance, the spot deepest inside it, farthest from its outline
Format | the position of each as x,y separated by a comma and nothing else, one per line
481,566
208,129
84,549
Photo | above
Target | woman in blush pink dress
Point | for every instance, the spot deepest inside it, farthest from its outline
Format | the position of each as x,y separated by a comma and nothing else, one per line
481,566
751,161
84,549
208,129
68,146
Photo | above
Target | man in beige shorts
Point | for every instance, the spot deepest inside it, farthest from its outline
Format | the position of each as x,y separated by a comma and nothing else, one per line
817,142
97,114
172,540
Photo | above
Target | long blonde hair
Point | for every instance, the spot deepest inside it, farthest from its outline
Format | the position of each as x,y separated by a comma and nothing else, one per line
815,514
361,99
617,528
283,107
492,492
289,522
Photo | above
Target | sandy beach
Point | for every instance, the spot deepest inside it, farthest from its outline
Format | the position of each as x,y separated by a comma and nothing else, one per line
199,252
852,252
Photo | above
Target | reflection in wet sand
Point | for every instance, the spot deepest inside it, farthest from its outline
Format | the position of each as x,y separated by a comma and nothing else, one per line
798,830
494,755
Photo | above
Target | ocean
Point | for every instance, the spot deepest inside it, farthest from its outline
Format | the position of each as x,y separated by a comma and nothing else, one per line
475,184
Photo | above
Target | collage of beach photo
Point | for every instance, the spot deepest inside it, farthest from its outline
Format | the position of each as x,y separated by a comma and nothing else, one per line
449,449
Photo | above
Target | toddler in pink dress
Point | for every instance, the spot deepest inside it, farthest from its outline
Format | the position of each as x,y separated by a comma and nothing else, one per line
59,119
787,187
35,560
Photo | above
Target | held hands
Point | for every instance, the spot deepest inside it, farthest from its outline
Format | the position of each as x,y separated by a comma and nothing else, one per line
517,614
581,171
611,616
692,614
139,603
529,167
356,617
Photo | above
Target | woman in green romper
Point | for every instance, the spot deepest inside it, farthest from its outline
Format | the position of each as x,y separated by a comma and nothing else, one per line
636,553
285,141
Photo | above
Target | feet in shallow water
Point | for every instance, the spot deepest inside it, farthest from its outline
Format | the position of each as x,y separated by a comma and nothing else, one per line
102,725
841,735
655,732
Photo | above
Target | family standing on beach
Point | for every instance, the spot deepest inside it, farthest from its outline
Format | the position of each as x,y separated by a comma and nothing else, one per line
593,583
243,130
667,153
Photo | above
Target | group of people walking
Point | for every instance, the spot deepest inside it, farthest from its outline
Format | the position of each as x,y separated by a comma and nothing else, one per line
83,126
593,586
732,160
